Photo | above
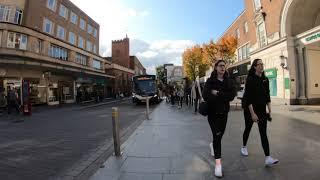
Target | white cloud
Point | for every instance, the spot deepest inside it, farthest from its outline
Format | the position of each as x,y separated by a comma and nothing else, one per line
147,54
159,52
114,19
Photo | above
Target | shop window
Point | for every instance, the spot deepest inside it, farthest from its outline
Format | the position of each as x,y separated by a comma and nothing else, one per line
58,52
96,64
81,59
17,41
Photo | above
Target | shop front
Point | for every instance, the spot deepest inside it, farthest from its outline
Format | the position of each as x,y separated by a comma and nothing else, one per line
271,74
239,74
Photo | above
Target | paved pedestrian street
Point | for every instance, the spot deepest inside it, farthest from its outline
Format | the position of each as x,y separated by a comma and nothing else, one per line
51,143
174,145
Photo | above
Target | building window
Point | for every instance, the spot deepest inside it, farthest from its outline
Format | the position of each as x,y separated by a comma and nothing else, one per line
238,33
81,42
90,29
61,34
95,49
89,46
72,38
82,24
47,26
95,32
5,13
96,64
262,35
246,29
38,46
74,18
257,4
243,52
81,59
17,41
51,4
63,11
58,52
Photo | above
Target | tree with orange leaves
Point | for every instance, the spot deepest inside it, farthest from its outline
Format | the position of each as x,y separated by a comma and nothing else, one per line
210,52
194,64
227,48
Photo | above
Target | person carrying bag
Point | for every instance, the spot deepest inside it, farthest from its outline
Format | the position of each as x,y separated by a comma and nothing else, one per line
219,90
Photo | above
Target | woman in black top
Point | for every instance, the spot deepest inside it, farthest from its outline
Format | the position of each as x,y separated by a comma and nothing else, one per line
255,99
218,92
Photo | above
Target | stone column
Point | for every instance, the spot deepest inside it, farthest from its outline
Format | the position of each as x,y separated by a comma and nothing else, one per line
302,76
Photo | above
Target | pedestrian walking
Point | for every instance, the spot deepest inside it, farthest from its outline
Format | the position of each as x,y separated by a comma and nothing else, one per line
219,90
13,101
255,99
196,94
180,97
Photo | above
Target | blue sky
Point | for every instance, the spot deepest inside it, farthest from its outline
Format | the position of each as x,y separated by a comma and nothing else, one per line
159,31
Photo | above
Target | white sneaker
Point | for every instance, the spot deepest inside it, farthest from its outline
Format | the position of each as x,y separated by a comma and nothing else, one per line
211,148
270,161
218,171
244,151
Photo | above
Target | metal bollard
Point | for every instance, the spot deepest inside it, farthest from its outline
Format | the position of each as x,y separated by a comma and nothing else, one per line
147,108
115,129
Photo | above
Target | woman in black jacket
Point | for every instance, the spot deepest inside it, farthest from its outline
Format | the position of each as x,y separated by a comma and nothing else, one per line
219,90
255,100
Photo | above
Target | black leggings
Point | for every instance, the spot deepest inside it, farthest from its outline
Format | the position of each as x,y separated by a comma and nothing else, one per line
262,124
217,124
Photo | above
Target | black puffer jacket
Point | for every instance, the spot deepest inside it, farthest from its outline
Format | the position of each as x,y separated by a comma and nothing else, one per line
221,102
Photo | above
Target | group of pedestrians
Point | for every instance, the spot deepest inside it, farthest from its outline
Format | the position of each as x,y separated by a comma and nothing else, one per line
10,101
219,90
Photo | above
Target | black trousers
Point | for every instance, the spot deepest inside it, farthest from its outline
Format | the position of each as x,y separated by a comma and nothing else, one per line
218,123
262,124
13,105
196,104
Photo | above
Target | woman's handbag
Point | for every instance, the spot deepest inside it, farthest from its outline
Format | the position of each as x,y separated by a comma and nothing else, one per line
203,108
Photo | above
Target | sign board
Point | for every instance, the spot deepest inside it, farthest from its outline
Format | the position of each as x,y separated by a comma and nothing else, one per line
312,38
271,73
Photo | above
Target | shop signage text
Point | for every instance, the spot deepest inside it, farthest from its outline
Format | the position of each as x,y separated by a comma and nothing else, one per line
271,73
312,38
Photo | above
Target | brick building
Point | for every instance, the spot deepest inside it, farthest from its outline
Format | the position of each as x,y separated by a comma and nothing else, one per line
53,46
123,66
285,34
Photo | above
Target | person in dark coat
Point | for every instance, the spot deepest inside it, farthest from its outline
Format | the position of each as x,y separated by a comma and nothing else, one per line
219,90
255,100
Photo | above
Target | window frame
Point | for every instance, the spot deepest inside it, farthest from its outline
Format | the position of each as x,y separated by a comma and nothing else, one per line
263,33
81,39
96,62
89,29
74,37
76,17
54,8
14,44
58,32
246,27
45,20
89,46
84,24
65,12
257,4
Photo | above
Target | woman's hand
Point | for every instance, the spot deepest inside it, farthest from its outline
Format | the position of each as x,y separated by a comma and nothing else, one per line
254,117
214,92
